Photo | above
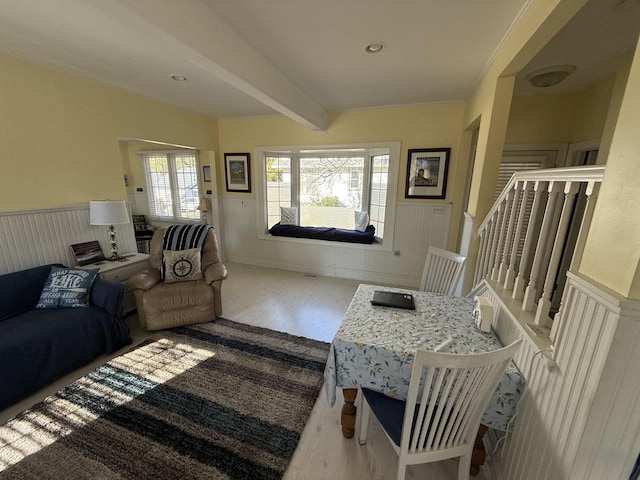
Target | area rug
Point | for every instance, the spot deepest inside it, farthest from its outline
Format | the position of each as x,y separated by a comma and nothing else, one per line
220,400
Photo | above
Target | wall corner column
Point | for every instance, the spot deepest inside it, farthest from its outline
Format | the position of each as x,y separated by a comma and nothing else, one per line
494,118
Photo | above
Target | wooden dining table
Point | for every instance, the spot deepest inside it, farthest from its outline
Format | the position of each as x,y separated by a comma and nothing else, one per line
374,347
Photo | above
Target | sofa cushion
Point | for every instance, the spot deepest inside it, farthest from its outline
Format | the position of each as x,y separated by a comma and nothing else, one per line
288,216
20,291
325,233
361,221
182,265
67,288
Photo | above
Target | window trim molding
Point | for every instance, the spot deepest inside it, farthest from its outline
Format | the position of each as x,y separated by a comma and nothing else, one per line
392,188
144,154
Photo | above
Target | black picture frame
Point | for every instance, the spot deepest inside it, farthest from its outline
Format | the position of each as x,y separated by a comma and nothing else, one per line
427,170
237,170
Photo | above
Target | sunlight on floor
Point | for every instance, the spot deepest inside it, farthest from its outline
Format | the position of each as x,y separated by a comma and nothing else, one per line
116,383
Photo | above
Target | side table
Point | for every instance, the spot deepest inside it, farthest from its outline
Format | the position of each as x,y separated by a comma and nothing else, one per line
120,272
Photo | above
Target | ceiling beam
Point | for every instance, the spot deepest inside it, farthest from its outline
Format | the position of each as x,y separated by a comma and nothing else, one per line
220,51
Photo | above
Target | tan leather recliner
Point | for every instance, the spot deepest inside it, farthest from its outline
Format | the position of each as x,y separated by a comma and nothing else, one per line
166,305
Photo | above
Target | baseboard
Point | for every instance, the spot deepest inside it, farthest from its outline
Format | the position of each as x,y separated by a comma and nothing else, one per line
375,278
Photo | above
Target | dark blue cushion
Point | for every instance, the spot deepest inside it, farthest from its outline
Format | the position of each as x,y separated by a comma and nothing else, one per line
389,412
20,291
325,233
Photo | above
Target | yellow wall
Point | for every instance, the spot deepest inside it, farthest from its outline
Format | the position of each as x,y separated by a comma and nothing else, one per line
541,118
560,117
615,228
592,109
419,126
60,135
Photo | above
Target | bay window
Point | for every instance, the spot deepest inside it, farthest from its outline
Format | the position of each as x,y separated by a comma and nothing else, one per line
328,185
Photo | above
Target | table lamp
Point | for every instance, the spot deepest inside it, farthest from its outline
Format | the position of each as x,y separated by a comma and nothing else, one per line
109,212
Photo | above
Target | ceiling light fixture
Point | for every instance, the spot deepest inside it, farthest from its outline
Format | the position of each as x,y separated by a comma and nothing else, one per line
374,47
178,78
548,77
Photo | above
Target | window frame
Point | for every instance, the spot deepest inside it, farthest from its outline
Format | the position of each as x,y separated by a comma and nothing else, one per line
371,149
171,156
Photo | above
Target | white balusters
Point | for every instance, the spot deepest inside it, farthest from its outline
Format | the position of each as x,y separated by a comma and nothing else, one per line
493,241
500,267
546,231
514,195
510,276
527,251
544,304
530,269
482,250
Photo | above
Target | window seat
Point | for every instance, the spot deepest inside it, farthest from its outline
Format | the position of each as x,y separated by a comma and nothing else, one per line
325,233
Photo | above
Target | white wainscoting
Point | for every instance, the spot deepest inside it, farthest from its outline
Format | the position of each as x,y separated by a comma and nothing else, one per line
37,237
581,418
417,226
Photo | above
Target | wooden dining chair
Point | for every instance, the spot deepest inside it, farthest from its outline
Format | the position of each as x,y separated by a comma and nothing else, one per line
440,422
442,271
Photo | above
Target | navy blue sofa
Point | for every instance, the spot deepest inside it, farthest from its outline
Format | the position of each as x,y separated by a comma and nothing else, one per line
38,346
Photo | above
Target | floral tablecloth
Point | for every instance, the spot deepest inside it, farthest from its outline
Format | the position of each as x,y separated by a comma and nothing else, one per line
375,346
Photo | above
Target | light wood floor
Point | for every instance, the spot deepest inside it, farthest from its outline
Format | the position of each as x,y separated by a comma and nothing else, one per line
312,307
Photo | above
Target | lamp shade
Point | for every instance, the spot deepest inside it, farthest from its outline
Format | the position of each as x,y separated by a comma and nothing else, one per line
202,206
108,212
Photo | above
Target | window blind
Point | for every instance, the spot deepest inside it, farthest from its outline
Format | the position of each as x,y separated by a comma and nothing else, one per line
172,185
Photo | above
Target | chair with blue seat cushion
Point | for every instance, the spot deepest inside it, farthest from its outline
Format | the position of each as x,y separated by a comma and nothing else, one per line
440,422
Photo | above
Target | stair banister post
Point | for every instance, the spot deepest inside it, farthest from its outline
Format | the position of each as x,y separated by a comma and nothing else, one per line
477,276
512,201
487,261
531,292
487,250
530,236
544,304
495,261
510,276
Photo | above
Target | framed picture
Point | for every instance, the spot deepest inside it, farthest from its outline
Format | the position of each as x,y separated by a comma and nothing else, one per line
87,253
139,223
206,173
236,169
427,172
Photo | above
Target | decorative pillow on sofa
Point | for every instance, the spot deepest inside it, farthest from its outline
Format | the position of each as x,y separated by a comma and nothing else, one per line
67,288
182,265
288,216
361,220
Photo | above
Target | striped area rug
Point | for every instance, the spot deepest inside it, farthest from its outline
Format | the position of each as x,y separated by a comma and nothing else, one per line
213,401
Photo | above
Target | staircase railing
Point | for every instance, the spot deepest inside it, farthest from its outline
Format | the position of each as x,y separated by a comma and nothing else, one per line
535,231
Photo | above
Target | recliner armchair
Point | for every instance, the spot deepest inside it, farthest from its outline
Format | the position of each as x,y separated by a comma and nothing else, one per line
165,305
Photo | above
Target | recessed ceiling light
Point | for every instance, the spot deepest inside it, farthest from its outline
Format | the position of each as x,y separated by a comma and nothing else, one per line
374,47
178,78
548,77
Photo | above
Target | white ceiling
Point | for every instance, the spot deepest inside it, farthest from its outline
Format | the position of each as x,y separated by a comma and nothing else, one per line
299,57
594,41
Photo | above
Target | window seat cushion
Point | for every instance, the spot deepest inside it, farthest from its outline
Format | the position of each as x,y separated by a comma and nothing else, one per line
325,233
